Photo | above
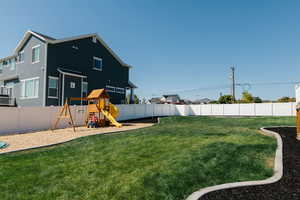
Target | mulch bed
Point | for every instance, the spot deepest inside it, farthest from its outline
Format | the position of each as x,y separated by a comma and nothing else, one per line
287,188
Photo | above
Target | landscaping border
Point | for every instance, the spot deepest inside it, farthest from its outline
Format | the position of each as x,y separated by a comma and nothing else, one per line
55,144
278,171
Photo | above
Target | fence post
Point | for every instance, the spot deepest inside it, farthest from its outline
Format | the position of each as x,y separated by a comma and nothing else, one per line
223,109
19,118
272,105
254,107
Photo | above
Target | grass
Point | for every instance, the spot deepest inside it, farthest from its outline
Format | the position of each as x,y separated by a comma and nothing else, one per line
166,161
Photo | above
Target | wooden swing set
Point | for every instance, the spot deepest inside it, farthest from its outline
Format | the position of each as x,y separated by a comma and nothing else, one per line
98,103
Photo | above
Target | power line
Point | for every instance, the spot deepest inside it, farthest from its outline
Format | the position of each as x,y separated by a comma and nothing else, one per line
245,86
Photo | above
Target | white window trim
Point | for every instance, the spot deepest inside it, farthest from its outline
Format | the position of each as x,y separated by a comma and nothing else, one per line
34,47
99,59
18,62
29,79
53,97
11,64
110,88
94,39
118,88
82,83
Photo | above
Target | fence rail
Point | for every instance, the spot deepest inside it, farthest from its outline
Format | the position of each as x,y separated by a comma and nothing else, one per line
24,119
7,101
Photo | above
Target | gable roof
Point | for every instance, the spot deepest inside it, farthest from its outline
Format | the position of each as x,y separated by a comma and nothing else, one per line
171,95
51,40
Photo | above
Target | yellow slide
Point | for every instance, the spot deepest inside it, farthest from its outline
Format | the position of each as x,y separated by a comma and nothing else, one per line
111,116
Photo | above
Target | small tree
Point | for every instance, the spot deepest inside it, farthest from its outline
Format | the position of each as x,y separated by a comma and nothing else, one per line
257,100
135,97
226,99
247,97
286,99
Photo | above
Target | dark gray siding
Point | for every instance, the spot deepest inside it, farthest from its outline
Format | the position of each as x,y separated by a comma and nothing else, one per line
27,70
64,55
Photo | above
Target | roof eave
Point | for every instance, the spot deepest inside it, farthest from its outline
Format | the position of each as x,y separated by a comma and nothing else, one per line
25,38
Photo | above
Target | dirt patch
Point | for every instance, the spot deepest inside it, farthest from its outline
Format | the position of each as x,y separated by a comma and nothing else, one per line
44,138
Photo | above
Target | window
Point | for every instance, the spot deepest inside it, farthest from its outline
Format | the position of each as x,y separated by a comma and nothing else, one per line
72,85
8,63
97,63
13,64
30,88
5,63
84,89
1,67
35,54
21,57
94,39
120,90
53,87
110,88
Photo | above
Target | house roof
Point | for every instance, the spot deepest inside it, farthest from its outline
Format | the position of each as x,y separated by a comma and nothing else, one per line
155,99
71,72
95,94
171,95
44,36
52,40
131,85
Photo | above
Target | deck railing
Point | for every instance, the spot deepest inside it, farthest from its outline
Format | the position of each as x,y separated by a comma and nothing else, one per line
7,101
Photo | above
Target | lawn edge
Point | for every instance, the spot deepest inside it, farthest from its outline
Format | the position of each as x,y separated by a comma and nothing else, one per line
59,143
278,171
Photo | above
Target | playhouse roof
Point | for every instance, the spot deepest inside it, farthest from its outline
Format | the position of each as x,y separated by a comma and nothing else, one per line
96,94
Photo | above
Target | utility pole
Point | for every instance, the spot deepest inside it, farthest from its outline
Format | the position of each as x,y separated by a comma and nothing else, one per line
232,78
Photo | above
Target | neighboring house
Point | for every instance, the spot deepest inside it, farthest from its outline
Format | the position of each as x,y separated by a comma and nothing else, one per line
155,100
171,99
44,71
202,101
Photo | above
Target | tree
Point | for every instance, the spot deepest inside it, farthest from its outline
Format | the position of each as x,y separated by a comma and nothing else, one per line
135,97
226,99
257,100
144,101
247,97
287,99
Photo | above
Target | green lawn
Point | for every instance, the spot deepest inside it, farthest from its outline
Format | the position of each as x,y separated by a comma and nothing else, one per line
166,161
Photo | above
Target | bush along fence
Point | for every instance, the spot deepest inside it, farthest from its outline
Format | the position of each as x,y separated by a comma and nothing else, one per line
24,119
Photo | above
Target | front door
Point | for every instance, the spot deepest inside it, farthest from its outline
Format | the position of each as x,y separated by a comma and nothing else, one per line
71,87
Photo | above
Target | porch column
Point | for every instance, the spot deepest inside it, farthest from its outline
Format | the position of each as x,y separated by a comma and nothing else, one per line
131,101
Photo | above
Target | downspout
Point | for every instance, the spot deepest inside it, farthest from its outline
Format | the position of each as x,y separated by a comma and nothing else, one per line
45,74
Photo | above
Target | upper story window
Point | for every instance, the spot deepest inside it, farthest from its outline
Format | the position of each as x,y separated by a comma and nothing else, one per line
5,63
1,67
53,87
36,54
94,39
97,65
21,57
13,64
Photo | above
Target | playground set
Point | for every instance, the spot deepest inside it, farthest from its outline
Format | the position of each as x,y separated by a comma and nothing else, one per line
98,107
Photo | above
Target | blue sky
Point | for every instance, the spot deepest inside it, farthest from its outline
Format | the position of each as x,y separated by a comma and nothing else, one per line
175,47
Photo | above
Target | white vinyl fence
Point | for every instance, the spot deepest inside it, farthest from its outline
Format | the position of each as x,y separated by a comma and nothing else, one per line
24,119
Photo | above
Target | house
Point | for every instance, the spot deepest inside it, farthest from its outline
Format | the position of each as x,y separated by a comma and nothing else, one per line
45,71
202,101
171,99
155,100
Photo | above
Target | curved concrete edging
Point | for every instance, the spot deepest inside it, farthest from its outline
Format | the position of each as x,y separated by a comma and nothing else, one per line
278,172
